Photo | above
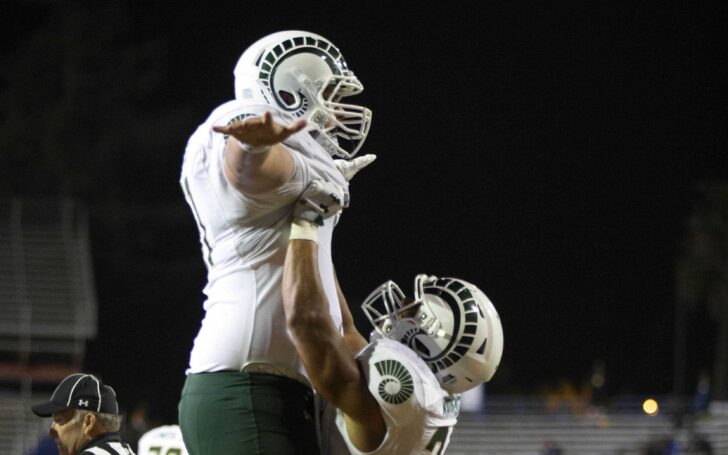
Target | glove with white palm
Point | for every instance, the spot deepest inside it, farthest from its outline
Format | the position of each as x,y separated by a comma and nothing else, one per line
322,200
319,201
349,168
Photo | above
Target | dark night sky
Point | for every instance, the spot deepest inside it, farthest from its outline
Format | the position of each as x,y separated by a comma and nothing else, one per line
547,153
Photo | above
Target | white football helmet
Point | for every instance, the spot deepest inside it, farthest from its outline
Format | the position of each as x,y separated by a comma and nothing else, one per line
306,76
450,324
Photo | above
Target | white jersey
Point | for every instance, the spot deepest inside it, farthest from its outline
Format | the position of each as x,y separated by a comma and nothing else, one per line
419,414
244,241
164,440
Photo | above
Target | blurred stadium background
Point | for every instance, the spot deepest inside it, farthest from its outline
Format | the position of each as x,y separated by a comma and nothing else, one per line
576,171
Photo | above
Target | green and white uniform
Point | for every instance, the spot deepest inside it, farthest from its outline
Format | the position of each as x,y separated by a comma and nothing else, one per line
244,241
418,413
164,440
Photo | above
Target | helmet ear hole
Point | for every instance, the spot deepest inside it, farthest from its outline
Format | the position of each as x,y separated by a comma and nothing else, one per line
287,97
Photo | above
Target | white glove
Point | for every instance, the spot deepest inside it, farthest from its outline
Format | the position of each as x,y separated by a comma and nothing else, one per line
349,168
320,200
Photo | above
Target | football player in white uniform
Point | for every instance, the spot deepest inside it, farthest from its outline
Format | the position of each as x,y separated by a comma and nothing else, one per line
164,440
398,394
244,169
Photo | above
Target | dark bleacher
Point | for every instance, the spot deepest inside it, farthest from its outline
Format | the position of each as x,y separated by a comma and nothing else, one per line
47,308
522,426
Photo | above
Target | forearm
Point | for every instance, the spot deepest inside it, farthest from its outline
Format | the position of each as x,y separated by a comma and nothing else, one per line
325,353
302,288
326,357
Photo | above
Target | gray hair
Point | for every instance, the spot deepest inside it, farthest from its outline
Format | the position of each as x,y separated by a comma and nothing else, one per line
111,422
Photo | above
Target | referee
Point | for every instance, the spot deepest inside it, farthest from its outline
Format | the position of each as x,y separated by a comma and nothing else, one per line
85,417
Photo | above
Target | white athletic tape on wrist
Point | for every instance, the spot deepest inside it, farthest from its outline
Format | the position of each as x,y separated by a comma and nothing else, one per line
303,230
254,149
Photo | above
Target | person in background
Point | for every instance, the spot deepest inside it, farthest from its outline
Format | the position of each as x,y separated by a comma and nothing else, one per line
163,440
85,417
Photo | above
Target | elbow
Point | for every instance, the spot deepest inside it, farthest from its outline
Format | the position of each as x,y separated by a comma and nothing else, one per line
303,306
302,318
303,321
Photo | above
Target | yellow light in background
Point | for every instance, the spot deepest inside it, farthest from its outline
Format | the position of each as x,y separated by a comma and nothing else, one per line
650,407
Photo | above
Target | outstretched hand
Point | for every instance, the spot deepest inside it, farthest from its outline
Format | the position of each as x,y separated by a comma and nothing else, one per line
349,168
260,131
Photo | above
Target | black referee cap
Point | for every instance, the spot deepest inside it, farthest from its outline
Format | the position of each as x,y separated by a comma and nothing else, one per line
80,391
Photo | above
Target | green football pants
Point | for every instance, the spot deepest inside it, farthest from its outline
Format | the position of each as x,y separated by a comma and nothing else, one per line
239,413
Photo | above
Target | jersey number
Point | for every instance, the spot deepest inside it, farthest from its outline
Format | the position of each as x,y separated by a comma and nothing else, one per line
158,451
438,443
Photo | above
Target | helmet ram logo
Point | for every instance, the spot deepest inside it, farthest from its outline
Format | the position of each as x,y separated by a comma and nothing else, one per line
467,318
269,61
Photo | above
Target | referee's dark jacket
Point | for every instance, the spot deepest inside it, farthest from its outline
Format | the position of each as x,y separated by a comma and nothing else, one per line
106,444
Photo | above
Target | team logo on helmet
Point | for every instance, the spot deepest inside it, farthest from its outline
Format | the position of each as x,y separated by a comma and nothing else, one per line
306,76
456,329
396,384
466,315
268,64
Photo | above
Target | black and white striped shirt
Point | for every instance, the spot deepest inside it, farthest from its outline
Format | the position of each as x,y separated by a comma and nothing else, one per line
106,444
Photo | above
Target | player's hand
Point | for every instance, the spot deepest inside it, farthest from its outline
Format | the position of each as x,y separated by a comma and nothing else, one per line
260,131
320,200
349,168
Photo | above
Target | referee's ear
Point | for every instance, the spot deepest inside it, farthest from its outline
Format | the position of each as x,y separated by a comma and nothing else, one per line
92,425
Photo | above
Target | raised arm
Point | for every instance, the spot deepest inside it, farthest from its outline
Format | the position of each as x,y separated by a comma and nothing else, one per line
326,356
255,160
